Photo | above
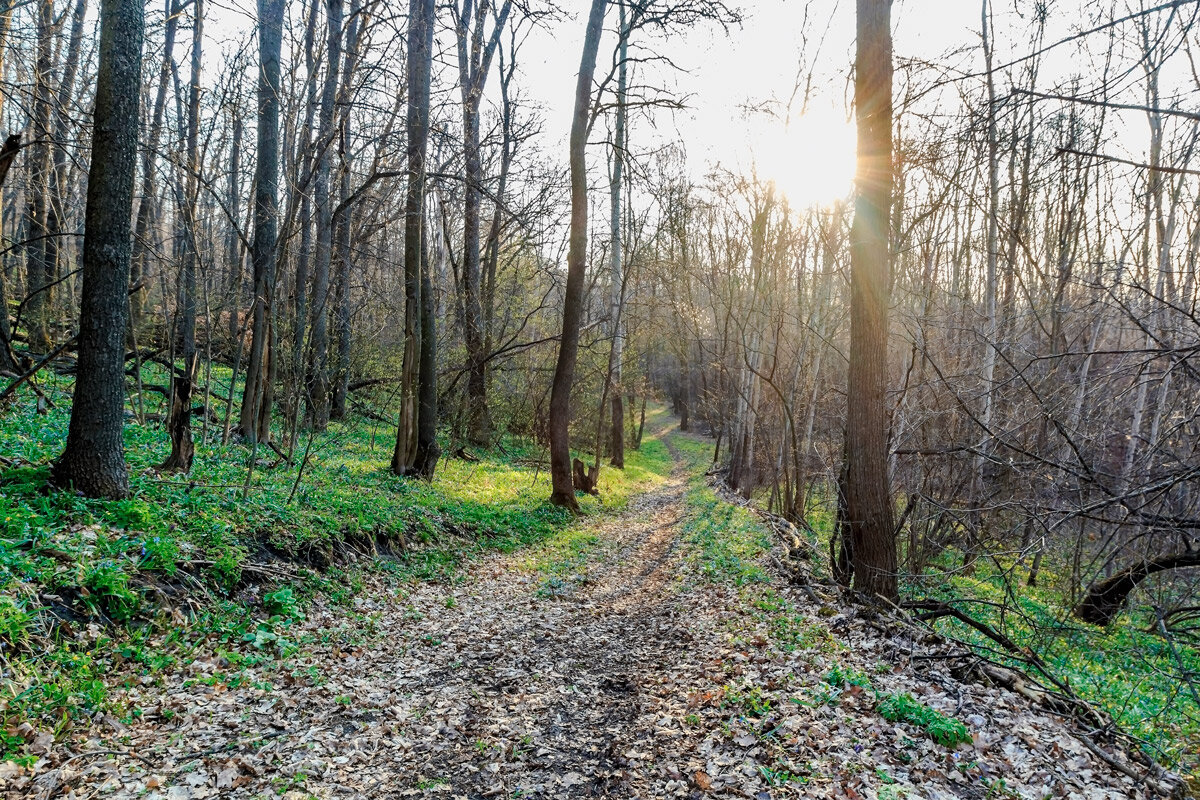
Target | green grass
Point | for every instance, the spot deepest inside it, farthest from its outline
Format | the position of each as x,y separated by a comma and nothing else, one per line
1125,669
728,540
95,563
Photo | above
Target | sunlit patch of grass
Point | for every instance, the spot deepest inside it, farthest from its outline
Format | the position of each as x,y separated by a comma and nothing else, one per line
728,540
562,558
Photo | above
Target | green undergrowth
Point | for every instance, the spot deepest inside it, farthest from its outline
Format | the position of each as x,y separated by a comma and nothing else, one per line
1126,669
729,540
83,582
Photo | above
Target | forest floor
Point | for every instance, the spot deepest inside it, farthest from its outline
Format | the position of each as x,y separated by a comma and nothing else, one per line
657,652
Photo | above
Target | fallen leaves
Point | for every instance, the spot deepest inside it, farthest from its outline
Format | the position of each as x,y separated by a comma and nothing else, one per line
643,680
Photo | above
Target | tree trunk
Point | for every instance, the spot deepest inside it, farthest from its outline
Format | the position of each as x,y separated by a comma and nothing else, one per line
420,65
93,461
568,348
427,410
39,268
58,205
617,432
305,166
255,422
8,153
474,64
318,368
145,214
179,423
990,328
234,257
1106,598
341,384
868,495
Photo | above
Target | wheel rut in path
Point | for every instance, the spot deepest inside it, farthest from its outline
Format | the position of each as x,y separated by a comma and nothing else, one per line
563,680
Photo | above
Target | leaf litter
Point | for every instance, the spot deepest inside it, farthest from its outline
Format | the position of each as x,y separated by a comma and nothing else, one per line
643,679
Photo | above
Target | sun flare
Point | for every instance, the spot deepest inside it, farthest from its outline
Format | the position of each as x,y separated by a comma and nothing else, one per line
810,160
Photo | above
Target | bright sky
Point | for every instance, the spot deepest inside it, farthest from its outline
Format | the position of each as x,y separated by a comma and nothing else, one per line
738,84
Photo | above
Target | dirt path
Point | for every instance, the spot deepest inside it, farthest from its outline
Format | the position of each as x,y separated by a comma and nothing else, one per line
637,680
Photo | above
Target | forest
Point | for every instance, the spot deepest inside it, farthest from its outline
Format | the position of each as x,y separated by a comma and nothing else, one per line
599,398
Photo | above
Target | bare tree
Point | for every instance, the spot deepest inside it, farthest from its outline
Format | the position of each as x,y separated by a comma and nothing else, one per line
179,423
411,454
868,496
568,347
93,461
257,397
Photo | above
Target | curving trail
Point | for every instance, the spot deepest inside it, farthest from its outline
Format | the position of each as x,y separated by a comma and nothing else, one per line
638,679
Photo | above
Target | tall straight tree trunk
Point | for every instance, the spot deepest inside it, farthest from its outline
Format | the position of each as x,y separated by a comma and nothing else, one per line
305,168
474,64
58,205
869,514
255,421
990,327
234,257
6,12
8,154
427,410
179,424
420,65
94,459
140,262
617,431
318,369
39,268
341,384
563,493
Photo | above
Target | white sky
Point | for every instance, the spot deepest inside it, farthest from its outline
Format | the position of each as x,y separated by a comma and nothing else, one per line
758,63
753,66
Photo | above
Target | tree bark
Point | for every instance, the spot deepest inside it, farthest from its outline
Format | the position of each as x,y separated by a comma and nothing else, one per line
563,493
341,256
8,154
427,398
39,268
257,397
420,65
1105,599
93,461
617,421
57,206
146,206
179,422
318,368
474,64
868,495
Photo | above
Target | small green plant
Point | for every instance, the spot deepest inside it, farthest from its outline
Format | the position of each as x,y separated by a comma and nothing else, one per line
944,730
106,589
842,677
282,603
751,700
14,624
